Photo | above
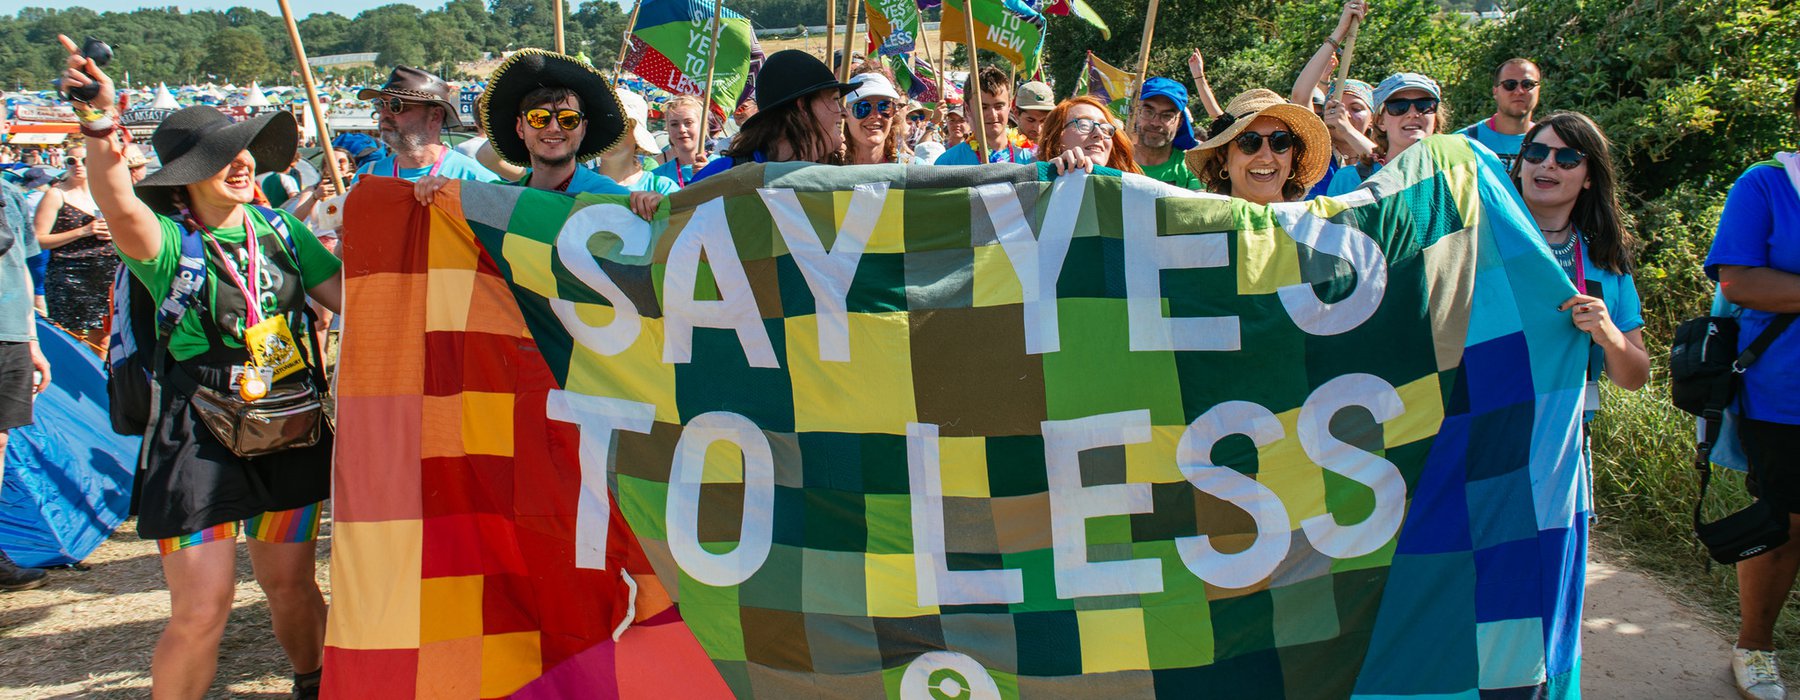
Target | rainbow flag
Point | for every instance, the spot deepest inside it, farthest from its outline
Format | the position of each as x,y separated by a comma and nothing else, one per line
672,42
1007,27
898,432
1112,85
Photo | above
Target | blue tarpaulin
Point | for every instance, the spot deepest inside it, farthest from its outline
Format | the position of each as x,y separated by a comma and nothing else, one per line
68,476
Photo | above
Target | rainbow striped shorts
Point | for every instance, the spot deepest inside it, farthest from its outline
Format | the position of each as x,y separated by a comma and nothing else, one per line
280,527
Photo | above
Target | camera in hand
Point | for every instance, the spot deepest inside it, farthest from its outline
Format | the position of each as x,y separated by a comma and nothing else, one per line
101,54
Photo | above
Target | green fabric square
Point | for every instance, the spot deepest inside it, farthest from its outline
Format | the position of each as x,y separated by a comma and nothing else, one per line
927,228
720,378
832,460
940,279
643,503
753,230
834,520
1244,624
1094,267
889,523
540,211
712,614
1178,635
1037,570
884,464
1096,372
1015,465
879,285
796,297
838,583
778,583
1305,612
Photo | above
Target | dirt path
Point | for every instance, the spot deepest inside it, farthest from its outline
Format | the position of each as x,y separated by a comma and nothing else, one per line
89,634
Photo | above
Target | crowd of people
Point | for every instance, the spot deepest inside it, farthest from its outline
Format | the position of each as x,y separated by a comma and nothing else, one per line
552,122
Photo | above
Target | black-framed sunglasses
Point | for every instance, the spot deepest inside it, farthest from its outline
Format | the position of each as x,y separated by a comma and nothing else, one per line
1566,157
1251,141
393,105
1510,85
1397,106
863,108
917,117
1085,126
539,118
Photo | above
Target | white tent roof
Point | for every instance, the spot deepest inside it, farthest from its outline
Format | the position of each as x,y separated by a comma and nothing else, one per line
254,97
163,99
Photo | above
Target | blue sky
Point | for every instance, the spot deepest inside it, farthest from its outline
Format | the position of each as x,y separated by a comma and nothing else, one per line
348,8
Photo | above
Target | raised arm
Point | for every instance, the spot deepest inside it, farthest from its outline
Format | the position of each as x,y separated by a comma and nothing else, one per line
134,228
1325,58
1203,90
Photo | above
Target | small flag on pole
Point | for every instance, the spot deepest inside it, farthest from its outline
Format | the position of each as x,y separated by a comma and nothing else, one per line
672,40
1112,85
893,26
1007,27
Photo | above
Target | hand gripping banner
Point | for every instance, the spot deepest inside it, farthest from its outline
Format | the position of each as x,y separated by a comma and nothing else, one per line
958,432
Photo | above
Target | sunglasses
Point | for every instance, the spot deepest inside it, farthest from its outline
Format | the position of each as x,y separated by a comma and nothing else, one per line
1510,85
539,118
1398,106
917,117
1250,141
69,161
1566,157
863,108
393,105
1085,126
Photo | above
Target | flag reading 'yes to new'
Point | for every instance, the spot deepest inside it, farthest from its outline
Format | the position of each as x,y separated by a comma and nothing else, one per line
1007,27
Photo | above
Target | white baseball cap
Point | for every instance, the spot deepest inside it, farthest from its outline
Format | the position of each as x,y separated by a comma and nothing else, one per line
639,111
870,85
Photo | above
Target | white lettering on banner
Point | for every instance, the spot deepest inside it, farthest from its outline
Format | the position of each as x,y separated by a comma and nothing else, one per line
1146,256
828,275
1004,39
1381,476
1346,243
1037,260
633,233
937,583
755,534
1193,454
598,417
706,233
1072,505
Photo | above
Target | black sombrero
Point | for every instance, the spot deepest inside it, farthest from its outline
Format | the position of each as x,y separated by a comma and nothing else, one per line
197,142
530,69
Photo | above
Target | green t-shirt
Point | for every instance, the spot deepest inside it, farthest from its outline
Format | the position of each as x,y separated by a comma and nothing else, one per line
1175,172
279,293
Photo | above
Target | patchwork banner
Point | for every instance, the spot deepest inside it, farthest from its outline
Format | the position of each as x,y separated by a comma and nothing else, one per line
883,431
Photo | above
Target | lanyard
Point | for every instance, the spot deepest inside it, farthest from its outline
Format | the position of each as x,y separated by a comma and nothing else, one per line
252,305
434,167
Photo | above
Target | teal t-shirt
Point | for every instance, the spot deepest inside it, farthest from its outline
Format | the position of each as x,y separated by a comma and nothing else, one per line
1506,146
456,167
286,275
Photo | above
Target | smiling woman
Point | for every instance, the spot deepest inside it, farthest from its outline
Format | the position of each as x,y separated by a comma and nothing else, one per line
1263,149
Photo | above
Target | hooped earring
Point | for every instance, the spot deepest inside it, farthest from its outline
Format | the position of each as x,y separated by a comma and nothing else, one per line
1224,175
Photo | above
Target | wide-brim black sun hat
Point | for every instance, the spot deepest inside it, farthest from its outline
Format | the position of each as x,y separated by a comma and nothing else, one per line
197,142
790,75
530,69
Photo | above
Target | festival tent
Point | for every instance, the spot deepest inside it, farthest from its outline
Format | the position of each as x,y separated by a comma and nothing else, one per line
254,97
164,99
68,476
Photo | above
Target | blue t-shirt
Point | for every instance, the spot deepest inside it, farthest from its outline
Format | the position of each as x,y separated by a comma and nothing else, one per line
456,167
964,154
676,172
1319,188
1761,228
724,163
652,182
18,323
585,181
1347,179
1506,146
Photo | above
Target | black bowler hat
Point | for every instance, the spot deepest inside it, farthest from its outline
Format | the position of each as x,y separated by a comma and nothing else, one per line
790,75
530,69
197,142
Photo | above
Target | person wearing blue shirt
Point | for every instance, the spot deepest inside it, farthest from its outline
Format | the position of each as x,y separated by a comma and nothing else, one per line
801,116
20,358
1409,107
620,164
1516,89
413,109
1756,259
687,151
996,103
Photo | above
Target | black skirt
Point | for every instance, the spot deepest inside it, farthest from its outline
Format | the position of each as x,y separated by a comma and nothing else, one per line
188,481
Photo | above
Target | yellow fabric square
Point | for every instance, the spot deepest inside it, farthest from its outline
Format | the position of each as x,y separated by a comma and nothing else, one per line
996,284
455,605
441,426
447,307
487,423
892,586
1153,462
889,235
637,374
508,662
1424,401
452,245
872,393
530,261
962,462
1285,469
1112,640
381,562
1268,259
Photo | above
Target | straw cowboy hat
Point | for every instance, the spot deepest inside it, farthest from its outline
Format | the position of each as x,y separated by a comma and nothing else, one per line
530,69
1260,102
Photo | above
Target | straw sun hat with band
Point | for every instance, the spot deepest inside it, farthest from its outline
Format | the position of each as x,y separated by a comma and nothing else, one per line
197,142
530,69
1315,141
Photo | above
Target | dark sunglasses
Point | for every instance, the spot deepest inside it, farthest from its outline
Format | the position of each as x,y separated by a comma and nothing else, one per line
393,105
916,117
1398,106
1250,142
1085,126
862,109
1566,157
1510,85
539,118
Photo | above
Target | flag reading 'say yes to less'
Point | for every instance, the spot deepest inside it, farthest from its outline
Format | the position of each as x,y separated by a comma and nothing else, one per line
957,432
672,43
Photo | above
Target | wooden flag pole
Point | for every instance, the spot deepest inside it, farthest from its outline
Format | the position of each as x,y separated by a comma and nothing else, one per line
972,102
1137,79
1343,71
943,60
849,41
559,26
312,98
625,42
938,69
830,27
712,61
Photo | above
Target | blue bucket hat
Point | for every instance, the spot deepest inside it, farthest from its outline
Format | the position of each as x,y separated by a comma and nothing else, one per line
1405,81
1177,93
36,177
361,147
